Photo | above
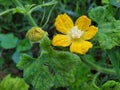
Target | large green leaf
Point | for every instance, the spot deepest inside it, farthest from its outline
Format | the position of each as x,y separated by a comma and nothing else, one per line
51,68
8,41
36,73
9,83
108,28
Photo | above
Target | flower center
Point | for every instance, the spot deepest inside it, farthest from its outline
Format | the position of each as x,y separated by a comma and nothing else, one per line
76,33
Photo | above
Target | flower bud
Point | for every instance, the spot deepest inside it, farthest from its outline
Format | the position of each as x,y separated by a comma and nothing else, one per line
35,34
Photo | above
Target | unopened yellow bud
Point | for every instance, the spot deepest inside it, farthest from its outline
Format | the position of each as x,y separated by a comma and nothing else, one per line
35,34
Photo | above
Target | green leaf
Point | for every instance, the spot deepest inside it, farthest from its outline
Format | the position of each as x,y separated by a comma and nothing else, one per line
108,28
115,3
8,41
9,83
105,41
115,60
96,15
101,14
51,68
111,85
16,56
108,34
36,73
24,45
81,77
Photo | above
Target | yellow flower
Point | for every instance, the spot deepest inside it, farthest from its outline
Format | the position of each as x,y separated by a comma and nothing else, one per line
74,35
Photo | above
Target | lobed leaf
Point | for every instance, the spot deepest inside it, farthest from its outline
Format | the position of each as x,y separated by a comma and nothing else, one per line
51,69
108,28
9,83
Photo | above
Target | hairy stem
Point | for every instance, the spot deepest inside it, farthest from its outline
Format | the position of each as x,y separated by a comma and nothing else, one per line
96,67
48,16
7,11
94,80
30,19
44,4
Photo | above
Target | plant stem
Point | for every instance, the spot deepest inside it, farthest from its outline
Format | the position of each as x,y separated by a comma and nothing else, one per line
94,80
43,17
6,11
27,14
48,16
44,4
98,68
30,19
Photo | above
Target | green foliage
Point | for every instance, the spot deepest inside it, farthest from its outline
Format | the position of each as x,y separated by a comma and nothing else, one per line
8,41
108,28
96,15
111,85
10,83
54,69
109,34
115,60
6,3
83,79
51,69
24,45
115,3
19,10
23,10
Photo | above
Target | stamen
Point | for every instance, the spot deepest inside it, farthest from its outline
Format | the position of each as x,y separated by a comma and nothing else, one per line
76,33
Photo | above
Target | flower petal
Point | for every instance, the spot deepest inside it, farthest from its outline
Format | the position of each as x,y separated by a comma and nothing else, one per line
80,47
83,22
63,23
61,40
90,33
